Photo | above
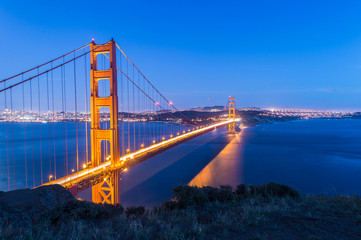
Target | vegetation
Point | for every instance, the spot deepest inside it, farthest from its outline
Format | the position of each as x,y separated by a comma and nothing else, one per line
270,211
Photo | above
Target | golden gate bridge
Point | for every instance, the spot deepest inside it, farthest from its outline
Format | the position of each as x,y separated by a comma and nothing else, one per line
102,115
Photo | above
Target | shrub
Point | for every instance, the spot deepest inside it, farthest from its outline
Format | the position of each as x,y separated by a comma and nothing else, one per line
80,210
168,205
267,190
241,189
135,211
185,195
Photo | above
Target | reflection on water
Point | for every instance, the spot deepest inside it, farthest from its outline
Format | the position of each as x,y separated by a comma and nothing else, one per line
152,182
225,168
315,156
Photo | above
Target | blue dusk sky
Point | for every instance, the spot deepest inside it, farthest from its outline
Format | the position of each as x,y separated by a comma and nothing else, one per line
283,54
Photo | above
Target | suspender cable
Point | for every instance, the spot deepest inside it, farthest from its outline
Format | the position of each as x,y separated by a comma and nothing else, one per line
52,94
66,130
152,99
134,146
76,118
62,108
86,110
7,140
41,151
48,123
32,131
151,107
122,106
128,149
12,133
24,125
123,111
149,81
139,115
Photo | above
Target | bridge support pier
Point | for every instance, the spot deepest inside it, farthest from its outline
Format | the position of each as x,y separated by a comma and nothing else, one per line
108,190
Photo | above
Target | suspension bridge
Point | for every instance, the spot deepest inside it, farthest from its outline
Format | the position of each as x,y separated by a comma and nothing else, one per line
82,119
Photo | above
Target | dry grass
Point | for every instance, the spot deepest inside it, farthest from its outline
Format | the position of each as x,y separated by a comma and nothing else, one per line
265,212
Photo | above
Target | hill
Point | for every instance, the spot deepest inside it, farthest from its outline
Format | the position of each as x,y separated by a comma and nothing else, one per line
269,211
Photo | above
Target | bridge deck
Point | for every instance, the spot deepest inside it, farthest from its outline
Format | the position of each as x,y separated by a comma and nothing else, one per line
90,177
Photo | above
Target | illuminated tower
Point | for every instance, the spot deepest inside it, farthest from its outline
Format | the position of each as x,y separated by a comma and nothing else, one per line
232,114
108,190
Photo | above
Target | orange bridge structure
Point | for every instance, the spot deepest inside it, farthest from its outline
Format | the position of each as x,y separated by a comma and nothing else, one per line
130,122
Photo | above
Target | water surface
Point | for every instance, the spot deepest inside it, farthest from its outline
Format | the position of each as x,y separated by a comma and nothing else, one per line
313,156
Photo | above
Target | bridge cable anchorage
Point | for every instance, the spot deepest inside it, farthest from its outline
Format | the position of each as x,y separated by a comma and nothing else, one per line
169,102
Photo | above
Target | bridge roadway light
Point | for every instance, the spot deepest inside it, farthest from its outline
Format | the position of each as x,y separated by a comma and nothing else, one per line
177,133
153,141
50,177
142,145
84,166
72,170
171,135
128,150
163,138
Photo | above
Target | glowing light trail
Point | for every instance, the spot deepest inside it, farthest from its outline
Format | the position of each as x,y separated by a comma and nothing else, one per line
74,178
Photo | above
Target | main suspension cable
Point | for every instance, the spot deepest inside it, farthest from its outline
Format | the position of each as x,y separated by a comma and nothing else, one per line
51,61
169,102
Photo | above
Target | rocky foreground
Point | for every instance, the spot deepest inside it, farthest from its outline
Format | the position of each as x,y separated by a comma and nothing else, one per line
269,211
